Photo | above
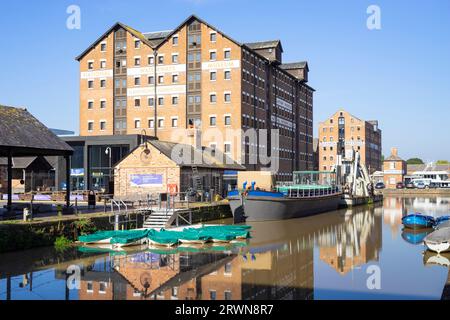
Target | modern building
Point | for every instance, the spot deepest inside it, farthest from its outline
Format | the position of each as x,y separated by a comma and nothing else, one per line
342,133
195,78
394,169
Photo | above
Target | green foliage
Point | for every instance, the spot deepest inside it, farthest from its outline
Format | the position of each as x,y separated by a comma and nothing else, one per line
442,162
414,161
62,243
84,226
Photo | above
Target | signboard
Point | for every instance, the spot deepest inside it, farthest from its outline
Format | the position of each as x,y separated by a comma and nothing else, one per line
97,74
160,90
216,65
284,104
78,172
159,70
146,180
172,188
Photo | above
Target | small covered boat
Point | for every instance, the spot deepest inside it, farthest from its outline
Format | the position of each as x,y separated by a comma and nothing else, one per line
445,224
163,238
117,238
442,219
418,221
439,240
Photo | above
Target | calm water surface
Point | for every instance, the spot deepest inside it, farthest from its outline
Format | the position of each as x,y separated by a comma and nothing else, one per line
361,253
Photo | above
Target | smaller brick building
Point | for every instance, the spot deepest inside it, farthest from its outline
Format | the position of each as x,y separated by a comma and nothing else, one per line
394,169
160,167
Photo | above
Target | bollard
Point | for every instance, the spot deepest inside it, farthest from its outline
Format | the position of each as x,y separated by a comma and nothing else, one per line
25,214
76,206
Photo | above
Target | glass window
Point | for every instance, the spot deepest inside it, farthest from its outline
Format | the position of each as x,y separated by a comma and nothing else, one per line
90,65
227,97
227,54
227,295
227,75
103,64
137,81
212,75
174,100
151,123
212,55
151,102
227,147
102,83
174,122
160,79
90,104
102,125
102,104
137,102
90,84
227,120
212,294
175,40
137,124
175,58
174,78
137,61
160,59
160,123
90,126
103,47
213,98
212,121
151,60
137,44
160,101
213,37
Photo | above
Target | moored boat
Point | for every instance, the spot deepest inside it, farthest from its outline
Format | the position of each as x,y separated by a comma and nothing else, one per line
445,224
439,240
310,192
418,221
442,219
415,236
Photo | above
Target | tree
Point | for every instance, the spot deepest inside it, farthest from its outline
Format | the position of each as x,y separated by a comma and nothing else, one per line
444,162
414,161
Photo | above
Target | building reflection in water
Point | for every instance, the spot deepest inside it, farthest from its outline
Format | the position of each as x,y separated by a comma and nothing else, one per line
269,268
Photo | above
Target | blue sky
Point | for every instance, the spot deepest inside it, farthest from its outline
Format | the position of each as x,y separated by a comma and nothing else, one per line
398,75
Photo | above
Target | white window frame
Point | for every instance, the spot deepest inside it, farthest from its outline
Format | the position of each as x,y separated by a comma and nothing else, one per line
171,122
140,123
140,61
163,120
175,96
151,120
178,40
101,61
93,104
90,121
140,81
210,117
177,55
102,100
226,49
103,79
224,149
212,94
106,46
210,72
224,117
224,94
210,33
93,64
100,122
93,84
224,72
178,77
140,43
211,51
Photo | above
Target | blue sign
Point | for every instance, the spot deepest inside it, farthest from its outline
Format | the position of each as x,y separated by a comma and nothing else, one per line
146,180
77,172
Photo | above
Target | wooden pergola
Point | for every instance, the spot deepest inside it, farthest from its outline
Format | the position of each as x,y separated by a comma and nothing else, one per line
22,135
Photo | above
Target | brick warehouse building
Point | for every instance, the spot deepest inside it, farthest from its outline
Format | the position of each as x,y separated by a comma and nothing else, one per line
195,76
343,132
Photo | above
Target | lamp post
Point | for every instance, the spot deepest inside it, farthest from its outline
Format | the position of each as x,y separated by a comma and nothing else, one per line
109,153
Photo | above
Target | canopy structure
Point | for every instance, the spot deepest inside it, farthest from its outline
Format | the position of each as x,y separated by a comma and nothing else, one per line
22,135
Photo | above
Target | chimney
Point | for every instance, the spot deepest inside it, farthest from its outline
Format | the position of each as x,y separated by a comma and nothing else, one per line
394,151
197,138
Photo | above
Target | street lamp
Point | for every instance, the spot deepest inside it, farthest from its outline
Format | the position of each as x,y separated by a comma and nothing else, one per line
109,153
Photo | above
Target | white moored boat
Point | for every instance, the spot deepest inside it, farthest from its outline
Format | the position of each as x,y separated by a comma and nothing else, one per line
439,240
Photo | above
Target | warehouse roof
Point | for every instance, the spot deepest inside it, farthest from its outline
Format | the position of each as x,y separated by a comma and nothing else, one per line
294,65
264,44
23,135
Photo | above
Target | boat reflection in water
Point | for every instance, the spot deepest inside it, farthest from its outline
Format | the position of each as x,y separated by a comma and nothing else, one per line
316,257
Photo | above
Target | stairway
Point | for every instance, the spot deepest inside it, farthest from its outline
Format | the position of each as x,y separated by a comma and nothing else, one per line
198,183
158,219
